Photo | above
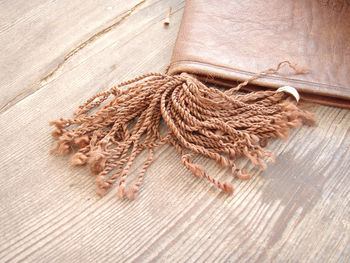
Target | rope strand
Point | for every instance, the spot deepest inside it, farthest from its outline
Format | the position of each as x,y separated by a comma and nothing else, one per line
112,128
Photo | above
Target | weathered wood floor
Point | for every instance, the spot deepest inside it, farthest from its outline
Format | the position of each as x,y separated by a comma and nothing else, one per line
56,54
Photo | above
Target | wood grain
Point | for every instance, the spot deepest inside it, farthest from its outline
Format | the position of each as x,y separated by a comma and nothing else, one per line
36,36
295,211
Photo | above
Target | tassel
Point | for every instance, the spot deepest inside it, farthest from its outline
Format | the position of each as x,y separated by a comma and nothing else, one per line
110,129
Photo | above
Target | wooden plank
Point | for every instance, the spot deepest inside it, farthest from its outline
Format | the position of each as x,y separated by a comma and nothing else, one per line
296,210
36,35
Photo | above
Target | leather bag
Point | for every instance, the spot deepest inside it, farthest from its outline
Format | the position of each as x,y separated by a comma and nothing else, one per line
227,41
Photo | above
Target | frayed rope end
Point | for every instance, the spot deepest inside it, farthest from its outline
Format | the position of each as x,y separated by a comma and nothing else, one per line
110,129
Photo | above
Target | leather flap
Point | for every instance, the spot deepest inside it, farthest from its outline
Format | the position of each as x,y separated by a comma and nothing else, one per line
230,40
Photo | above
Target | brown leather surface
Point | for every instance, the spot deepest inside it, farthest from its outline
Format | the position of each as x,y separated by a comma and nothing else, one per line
230,40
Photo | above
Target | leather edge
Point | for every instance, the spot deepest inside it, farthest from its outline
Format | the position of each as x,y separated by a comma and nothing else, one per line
230,78
313,98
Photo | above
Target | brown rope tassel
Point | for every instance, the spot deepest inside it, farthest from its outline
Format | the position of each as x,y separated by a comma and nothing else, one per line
110,129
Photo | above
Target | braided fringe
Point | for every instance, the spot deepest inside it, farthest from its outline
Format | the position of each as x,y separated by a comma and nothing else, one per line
202,120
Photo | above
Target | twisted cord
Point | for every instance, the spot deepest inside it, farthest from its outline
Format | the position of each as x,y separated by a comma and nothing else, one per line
112,128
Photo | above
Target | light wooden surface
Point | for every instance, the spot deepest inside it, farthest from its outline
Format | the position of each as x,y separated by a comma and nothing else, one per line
56,54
